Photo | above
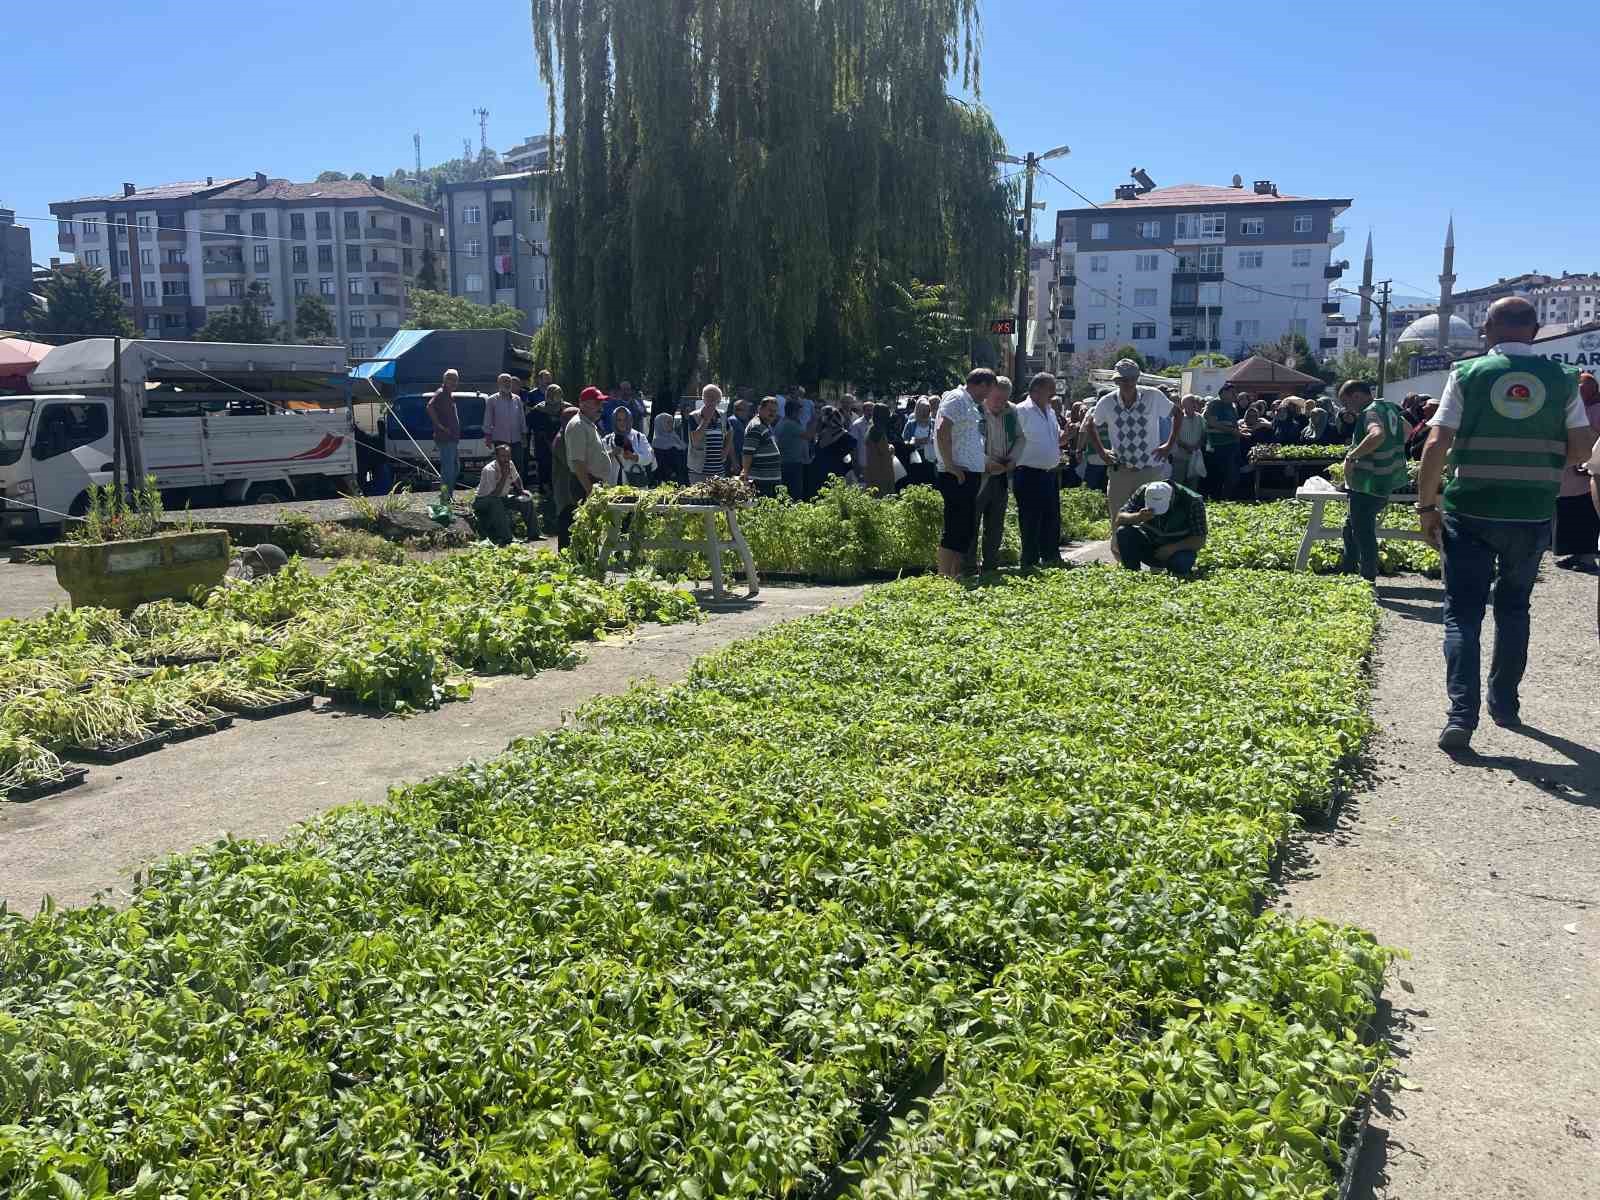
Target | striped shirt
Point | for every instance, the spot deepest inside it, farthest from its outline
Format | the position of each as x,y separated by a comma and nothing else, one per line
766,460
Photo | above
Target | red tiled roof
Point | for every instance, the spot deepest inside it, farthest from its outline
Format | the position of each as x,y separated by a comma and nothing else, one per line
1202,195
159,191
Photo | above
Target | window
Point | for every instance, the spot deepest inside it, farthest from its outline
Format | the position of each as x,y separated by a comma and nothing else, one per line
147,258
1150,230
1298,325
324,258
297,225
325,287
127,291
261,259
1147,262
173,320
502,245
500,210
1252,226
1097,298
538,283
64,427
352,258
177,257
474,248
1099,264
1099,231
407,257
152,324
90,227
1185,293
122,258
1197,225
1247,329
1209,259
536,215
355,287
405,228
236,289
169,220
1210,295
1300,257
1250,260
302,260
1302,224
1183,330
145,228
324,225
258,223
1144,297
1302,291
358,320
302,287
472,215
1143,333
1248,295
149,289
1097,333
174,287
474,282
352,224
230,224
91,258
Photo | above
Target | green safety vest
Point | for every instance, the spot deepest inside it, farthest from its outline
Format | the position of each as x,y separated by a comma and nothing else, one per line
1384,470
1511,448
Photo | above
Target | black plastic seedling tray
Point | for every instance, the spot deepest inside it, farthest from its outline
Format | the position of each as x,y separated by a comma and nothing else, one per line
278,708
184,733
70,778
108,755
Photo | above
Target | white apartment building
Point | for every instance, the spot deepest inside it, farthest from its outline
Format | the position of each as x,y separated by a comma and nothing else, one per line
1175,271
181,253
499,231
1339,335
1569,300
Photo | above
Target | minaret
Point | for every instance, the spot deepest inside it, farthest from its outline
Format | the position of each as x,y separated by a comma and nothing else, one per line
1364,322
1447,281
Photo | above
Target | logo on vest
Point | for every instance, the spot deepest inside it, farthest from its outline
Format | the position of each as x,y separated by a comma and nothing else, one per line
1517,396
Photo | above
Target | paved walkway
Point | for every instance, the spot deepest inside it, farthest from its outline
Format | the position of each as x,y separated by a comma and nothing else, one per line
1487,869
260,777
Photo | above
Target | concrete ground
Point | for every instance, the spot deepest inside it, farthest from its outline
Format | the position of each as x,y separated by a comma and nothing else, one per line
261,777
1486,868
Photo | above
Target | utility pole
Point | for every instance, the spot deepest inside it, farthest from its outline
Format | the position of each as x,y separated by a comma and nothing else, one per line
1383,334
416,144
116,419
130,235
1030,165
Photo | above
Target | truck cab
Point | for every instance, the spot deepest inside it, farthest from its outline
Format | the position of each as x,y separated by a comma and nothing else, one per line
52,449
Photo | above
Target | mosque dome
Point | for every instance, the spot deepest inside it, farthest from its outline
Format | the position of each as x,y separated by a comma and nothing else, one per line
1425,331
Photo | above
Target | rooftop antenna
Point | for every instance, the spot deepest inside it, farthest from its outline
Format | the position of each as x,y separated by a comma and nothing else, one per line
483,132
416,144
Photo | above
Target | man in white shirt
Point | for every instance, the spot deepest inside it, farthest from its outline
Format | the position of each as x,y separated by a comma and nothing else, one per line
1037,479
505,420
959,436
500,494
1134,430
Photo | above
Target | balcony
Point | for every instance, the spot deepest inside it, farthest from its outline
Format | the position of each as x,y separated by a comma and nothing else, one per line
1331,307
171,233
223,266
391,299
67,240
1196,276
382,266
297,232
302,267
355,300
1185,310
504,228
381,233
1065,347
1336,238
384,332
1069,280
1185,346
219,300
210,237
324,233
1333,271
182,301
1066,313
1328,343
174,268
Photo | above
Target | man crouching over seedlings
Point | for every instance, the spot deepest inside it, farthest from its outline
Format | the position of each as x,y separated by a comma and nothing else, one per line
500,494
1162,525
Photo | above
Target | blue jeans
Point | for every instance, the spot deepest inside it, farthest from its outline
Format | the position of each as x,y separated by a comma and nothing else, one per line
1136,551
1361,534
1478,553
449,467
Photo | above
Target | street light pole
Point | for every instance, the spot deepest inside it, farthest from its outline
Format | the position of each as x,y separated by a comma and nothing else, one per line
1030,166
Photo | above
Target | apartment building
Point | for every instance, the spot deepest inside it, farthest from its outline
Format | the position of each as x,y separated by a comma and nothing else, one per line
1567,301
1339,336
16,269
183,252
499,234
1175,271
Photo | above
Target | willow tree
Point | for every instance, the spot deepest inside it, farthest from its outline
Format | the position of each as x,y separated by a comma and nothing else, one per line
749,172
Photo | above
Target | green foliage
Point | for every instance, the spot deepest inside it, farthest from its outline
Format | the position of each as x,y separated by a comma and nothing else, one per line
312,318
111,517
1354,365
1398,367
1212,359
296,533
242,323
76,299
1292,350
692,947
440,310
1132,352
428,271
921,341
757,208
1267,536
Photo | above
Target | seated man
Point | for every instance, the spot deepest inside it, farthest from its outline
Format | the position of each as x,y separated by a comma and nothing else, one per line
500,493
1163,525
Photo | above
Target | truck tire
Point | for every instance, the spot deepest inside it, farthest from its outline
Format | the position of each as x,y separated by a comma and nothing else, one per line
268,493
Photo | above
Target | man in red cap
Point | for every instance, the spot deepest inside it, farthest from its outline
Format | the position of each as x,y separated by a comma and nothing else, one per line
586,457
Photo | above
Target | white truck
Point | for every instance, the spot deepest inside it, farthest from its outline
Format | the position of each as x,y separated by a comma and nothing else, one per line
216,423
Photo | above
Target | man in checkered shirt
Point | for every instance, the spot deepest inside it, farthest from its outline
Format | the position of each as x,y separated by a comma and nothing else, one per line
1135,430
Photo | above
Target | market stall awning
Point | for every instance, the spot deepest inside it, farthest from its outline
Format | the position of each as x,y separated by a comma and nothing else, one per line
18,357
383,371
1268,376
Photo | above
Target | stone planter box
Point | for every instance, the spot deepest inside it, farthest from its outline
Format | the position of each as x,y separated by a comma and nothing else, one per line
124,575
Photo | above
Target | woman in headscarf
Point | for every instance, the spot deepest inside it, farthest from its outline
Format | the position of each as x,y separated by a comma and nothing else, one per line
835,448
918,437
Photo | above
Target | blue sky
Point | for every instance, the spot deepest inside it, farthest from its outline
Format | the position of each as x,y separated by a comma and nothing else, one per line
1329,99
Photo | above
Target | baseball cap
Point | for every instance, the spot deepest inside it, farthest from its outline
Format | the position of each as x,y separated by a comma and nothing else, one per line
1158,497
1126,368
590,393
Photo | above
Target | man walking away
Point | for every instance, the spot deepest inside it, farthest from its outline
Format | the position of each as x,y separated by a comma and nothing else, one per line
505,421
586,458
500,494
958,436
1002,441
1163,526
1509,421
762,464
1135,430
794,443
1222,444
1038,475
446,422
1374,468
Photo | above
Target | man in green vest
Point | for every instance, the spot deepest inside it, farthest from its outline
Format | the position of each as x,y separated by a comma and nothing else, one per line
1374,467
1509,421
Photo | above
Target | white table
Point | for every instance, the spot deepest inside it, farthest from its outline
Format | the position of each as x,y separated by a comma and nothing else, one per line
711,545
1319,531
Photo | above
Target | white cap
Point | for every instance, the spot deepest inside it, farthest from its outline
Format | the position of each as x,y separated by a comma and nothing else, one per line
1158,497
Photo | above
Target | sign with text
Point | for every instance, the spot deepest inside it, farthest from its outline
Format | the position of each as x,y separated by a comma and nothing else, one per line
1004,327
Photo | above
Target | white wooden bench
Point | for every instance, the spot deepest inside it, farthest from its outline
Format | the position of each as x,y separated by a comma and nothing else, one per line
1317,530
711,544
